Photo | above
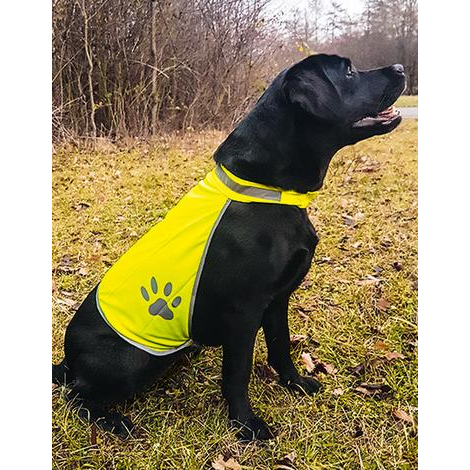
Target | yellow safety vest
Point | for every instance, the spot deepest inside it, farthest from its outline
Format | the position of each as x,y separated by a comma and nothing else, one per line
148,295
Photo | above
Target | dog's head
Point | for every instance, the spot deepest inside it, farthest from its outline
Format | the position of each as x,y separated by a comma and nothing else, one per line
307,114
355,104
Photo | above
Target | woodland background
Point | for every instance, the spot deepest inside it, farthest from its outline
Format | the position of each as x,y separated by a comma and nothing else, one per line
135,68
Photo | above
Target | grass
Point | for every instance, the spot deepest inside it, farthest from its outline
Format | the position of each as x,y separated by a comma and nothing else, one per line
358,302
407,101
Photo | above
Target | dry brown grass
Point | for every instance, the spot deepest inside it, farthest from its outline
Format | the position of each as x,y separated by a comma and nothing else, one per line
358,302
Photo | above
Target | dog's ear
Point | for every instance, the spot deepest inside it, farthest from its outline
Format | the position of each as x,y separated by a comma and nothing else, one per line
307,86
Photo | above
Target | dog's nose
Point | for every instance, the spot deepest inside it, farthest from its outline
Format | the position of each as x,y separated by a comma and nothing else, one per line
399,69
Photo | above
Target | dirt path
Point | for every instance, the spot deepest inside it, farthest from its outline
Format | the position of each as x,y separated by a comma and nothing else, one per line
409,112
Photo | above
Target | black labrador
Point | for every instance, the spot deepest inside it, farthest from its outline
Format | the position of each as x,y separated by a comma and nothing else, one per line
307,114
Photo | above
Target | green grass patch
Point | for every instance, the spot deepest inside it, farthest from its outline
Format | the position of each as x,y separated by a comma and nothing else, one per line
357,304
407,101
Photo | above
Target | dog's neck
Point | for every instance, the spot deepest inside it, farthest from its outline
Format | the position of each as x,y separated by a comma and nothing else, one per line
275,145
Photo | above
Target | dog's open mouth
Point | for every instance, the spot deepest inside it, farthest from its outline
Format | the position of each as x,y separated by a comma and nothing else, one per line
387,116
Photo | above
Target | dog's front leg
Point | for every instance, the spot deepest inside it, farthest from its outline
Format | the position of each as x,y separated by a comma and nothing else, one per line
236,371
276,332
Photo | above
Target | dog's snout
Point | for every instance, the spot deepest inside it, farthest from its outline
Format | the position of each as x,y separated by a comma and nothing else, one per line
398,69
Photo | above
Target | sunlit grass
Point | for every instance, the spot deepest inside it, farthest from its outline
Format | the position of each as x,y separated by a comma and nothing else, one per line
104,200
407,101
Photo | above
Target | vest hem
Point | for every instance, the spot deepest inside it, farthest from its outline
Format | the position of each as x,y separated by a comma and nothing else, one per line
135,343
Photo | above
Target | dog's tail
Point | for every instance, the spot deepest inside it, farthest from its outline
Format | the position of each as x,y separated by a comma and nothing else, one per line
60,373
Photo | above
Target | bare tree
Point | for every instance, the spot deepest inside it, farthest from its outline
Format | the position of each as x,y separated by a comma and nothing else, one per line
138,67
155,66
89,57
335,20
135,67
315,9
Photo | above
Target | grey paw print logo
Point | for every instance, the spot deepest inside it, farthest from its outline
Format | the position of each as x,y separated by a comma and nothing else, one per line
160,306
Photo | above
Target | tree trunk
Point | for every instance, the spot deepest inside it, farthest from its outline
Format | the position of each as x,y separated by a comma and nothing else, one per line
89,56
154,121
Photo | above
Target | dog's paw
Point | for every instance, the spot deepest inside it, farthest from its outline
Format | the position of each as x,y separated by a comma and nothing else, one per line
302,384
251,429
116,424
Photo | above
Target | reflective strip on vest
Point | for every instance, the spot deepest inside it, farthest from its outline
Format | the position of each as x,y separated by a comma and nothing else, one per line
269,194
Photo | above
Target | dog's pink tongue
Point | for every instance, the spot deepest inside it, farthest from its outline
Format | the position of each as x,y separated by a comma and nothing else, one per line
389,112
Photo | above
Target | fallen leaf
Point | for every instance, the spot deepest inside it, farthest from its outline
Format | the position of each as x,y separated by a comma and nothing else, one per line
308,362
374,390
394,355
383,304
367,282
232,464
397,266
68,302
295,340
380,345
66,293
283,467
359,369
349,221
94,257
65,269
66,264
338,392
386,242
315,366
400,414
371,280
326,368
217,465
83,271
287,462
305,308
65,260
363,390
221,464
302,315
370,167
358,433
265,372
81,205
412,345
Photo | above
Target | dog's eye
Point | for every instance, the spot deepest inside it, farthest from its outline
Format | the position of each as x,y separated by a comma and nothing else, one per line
350,71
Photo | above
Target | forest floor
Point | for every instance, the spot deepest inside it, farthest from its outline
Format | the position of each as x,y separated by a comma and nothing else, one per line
355,315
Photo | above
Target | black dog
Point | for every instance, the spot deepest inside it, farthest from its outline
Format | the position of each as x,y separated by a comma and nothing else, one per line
308,113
